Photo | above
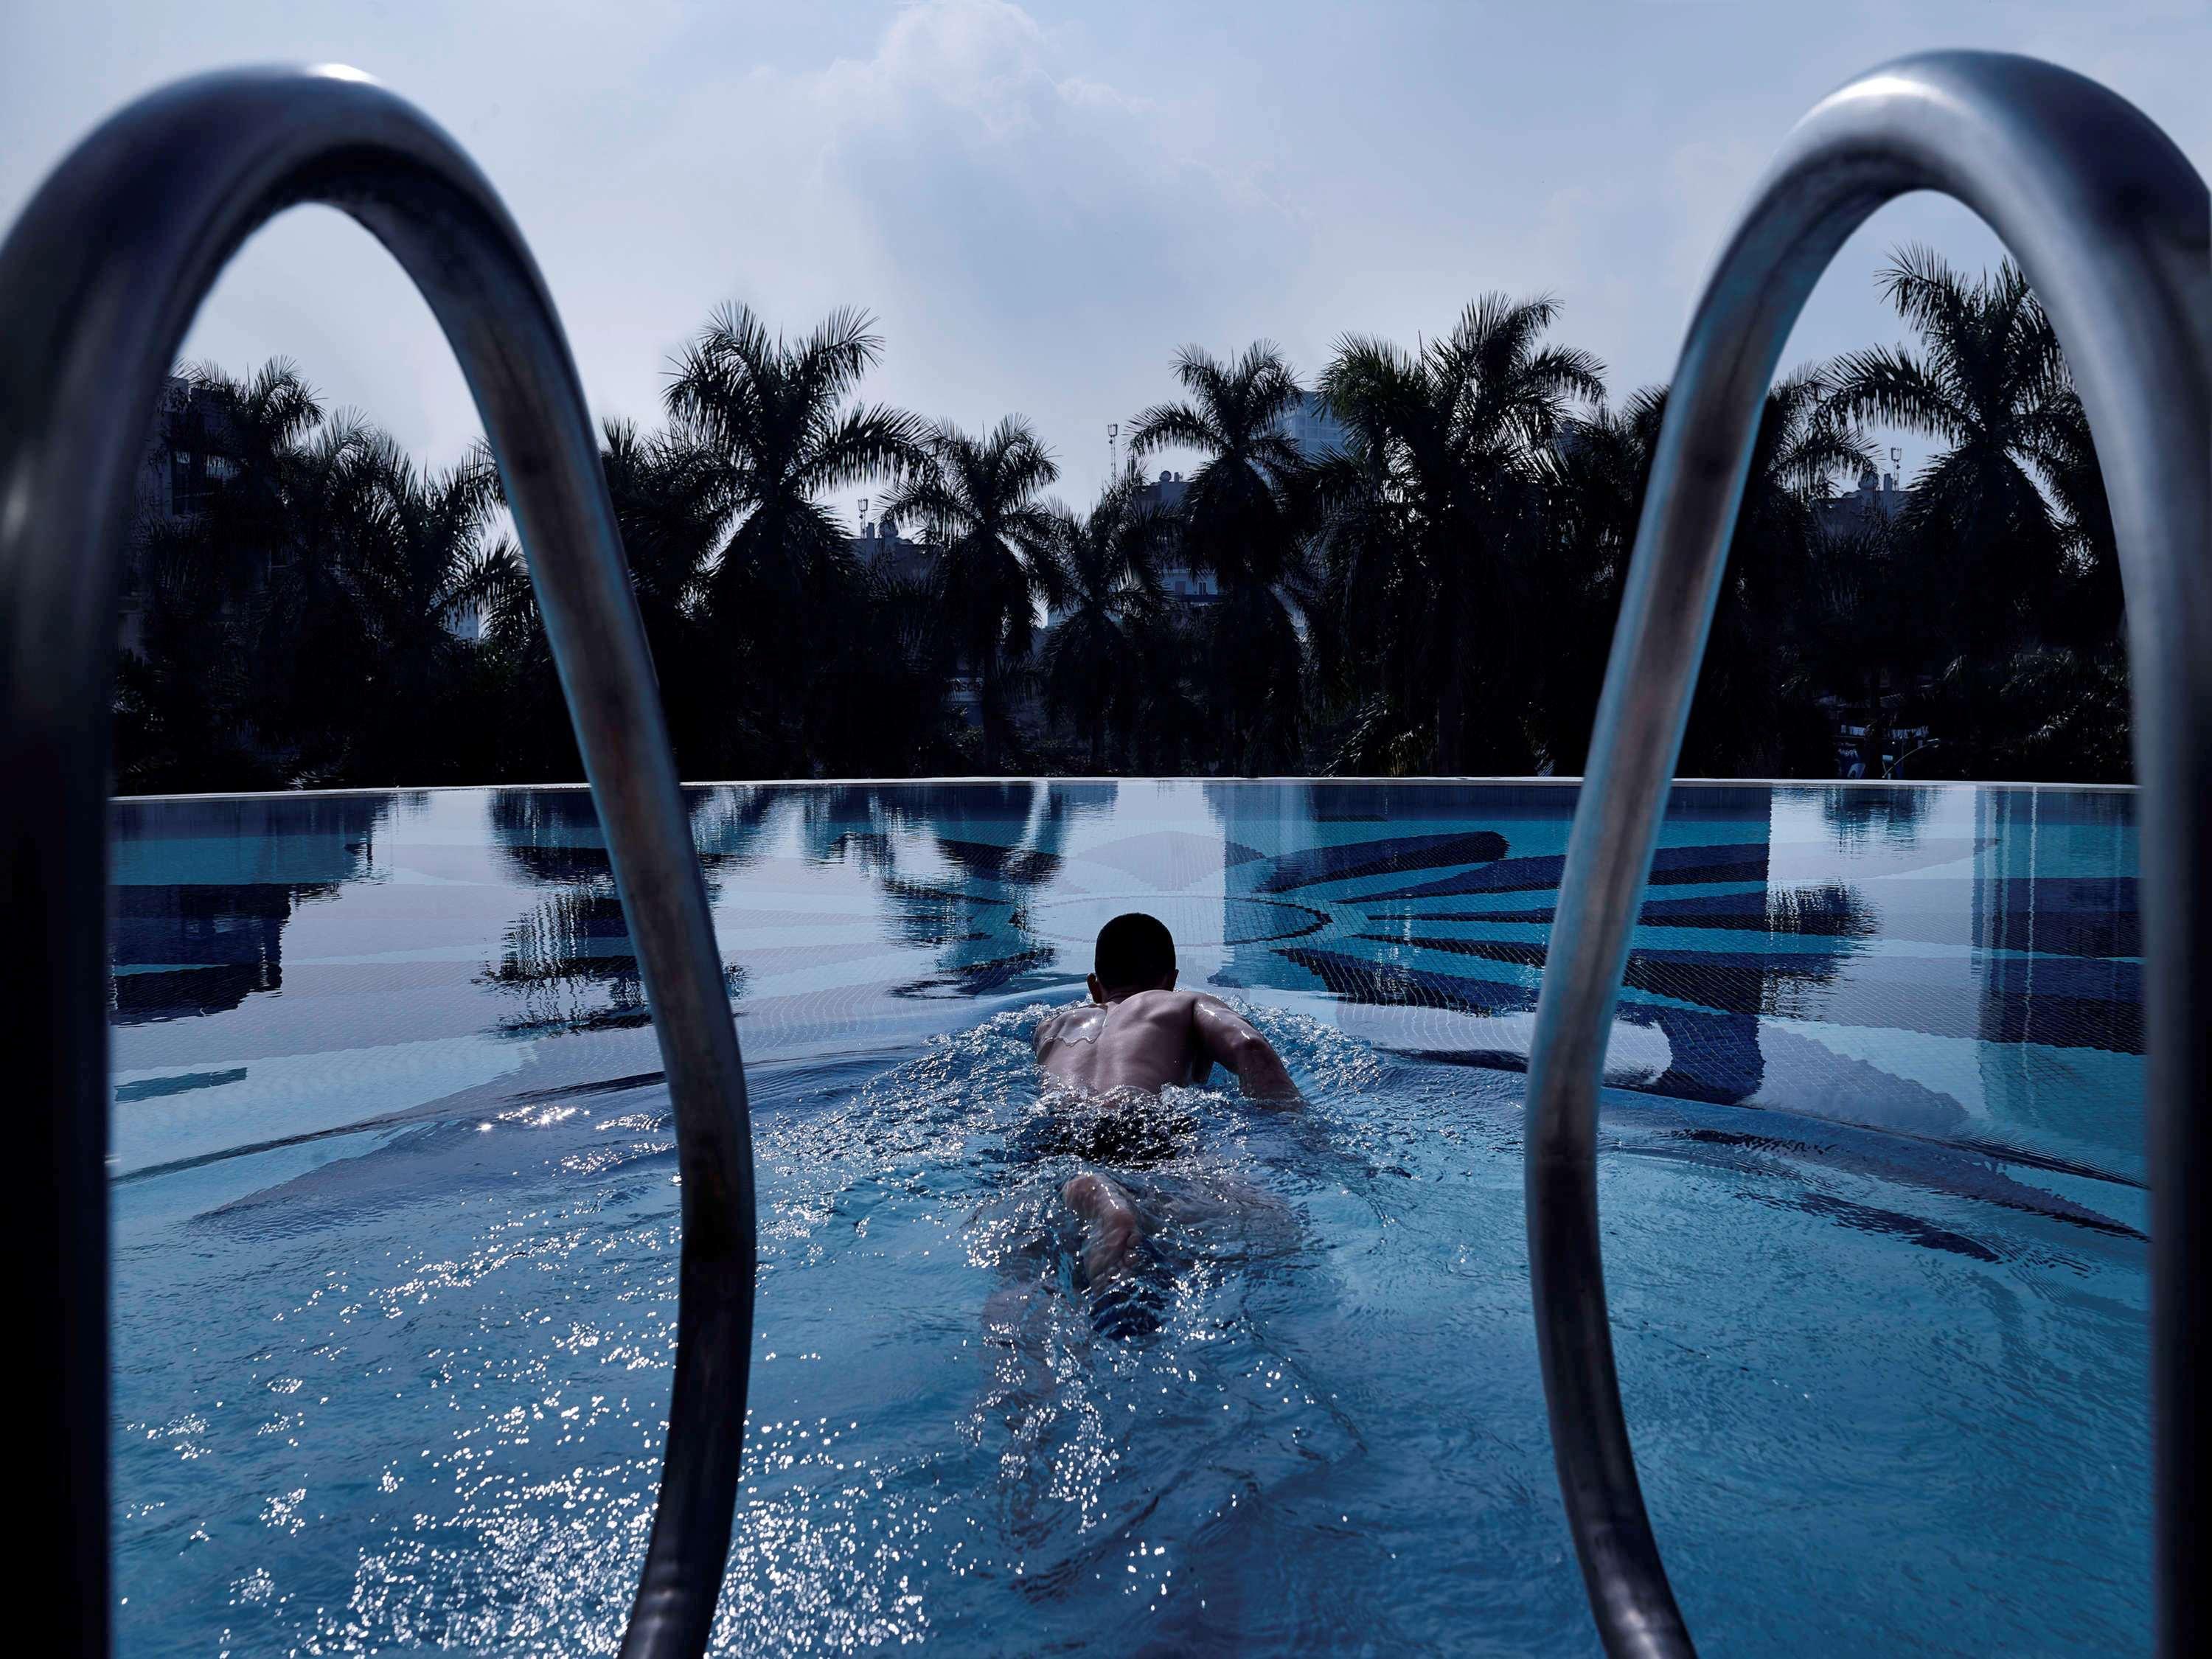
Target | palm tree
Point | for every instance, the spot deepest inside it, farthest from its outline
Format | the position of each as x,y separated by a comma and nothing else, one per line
1773,614
1093,662
1432,530
896,665
315,654
1240,522
1237,513
673,501
2006,551
302,611
408,584
180,693
670,499
977,500
536,743
776,417
1752,713
1990,384
1168,732
2089,613
1593,476
266,422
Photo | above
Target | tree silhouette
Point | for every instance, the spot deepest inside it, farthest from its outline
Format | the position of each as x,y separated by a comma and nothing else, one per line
977,501
1094,665
309,604
776,419
1240,522
1433,515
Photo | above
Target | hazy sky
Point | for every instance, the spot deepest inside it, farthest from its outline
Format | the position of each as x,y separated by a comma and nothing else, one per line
1041,203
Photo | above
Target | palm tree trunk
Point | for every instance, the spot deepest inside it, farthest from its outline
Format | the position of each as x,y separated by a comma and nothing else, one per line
1452,639
1451,720
987,708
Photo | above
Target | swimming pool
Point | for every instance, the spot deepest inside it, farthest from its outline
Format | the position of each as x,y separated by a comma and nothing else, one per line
395,1247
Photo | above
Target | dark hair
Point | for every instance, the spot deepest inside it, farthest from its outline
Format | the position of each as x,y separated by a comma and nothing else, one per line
1134,950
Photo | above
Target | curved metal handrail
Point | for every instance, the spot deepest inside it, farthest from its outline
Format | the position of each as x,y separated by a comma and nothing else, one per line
2109,222
98,279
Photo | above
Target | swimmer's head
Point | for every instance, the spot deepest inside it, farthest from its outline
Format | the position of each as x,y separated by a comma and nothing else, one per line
1135,953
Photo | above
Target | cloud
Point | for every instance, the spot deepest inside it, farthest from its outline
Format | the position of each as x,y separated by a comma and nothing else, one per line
1040,204
959,161
1015,220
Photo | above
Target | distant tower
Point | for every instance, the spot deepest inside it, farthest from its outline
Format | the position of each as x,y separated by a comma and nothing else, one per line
864,514
1113,450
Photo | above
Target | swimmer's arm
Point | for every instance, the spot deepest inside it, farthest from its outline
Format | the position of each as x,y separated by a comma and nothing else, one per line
1232,1041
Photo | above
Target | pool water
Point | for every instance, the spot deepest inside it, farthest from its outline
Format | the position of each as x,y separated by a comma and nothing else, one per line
395,1223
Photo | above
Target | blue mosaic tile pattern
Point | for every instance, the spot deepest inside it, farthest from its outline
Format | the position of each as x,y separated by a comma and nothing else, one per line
1949,961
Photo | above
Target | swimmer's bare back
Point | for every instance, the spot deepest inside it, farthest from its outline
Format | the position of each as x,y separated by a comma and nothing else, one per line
1152,1040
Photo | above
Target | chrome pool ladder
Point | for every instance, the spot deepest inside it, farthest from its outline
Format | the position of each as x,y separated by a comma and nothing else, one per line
2109,222
99,280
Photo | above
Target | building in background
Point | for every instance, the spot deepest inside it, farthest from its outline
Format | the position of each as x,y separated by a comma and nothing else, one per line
1876,503
1318,434
192,450
1182,585
879,547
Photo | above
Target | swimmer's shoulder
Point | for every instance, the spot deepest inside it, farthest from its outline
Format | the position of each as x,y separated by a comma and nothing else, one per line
1063,1021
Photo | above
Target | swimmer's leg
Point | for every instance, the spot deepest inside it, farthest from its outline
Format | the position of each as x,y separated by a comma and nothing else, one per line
1124,1300
1111,1227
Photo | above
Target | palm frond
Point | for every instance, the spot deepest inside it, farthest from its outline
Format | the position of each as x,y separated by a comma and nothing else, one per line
1172,426
1890,384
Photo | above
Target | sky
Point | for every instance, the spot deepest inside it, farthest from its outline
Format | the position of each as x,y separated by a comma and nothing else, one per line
1041,202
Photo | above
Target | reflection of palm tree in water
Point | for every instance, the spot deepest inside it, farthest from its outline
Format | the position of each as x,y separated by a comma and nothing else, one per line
729,825
1855,817
1000,875
1003,843
570,959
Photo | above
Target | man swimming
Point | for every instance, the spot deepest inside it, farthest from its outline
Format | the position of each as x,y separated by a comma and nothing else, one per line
1139,1032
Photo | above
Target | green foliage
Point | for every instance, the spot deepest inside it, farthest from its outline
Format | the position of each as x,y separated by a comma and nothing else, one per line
1100,655
1439,595
977,500
1241,521
1434,527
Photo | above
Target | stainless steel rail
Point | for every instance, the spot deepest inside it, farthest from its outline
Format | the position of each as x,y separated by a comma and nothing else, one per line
98,280
2111,224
